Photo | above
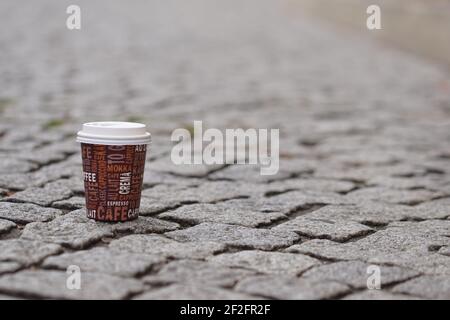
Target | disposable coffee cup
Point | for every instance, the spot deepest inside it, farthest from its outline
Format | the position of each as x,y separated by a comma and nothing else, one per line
113,155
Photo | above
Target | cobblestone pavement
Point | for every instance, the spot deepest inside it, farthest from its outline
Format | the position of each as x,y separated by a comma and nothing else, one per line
365,155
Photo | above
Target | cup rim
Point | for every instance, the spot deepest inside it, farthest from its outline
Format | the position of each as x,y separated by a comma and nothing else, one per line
114,133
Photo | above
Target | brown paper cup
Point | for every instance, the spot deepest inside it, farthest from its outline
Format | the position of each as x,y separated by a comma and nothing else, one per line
113,180
113,171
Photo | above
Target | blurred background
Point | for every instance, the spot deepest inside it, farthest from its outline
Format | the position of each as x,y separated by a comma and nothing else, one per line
310,68
418,26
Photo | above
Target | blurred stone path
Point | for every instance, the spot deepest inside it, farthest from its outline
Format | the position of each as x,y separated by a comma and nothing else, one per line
365,155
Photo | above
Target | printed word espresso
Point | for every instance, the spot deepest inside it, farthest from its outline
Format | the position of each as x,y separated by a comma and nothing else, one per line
235,146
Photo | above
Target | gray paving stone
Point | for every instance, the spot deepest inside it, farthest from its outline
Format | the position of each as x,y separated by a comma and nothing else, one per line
168,193
405,183
6,226
152,206
355,273
437,165
73,182
152,178
187,170
368,157
72,203
161,246
429,262
293,201
378,295
428,287
71,230
235,236
78,216
15,165
325,229
311,185
369,213
25,252
65,174
365,174
48,284
408,197
247,173
103,260
44,196
298,165
75,230
435,209
13,145
167,196
267,262
7,267
144,225
285,287
240,212
54,152
42,156
22,181
16,181
26,212
406,244
192,292
197,272
445,251
214,191
69,173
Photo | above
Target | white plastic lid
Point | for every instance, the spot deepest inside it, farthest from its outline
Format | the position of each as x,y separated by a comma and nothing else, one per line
114,133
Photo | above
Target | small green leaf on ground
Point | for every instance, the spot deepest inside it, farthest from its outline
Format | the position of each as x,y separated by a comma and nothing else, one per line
5,102
54,123
135,119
